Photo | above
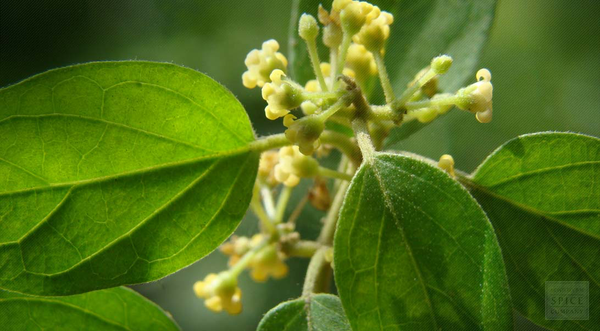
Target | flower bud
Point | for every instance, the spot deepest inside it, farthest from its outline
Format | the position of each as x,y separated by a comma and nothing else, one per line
447,163
220,292
361,61
477,97
268,262
305,133
293,165
261,63
441,64
308,28
374,34
356,14
281,95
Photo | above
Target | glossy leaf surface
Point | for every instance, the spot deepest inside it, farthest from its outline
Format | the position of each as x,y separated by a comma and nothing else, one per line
116,173
542,195
112,309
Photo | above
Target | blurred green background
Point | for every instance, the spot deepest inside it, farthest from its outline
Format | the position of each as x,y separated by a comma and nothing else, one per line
544,56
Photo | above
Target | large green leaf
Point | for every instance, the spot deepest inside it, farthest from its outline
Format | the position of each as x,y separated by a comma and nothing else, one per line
319,312
414,251
112,309
542,195
116,173
427,28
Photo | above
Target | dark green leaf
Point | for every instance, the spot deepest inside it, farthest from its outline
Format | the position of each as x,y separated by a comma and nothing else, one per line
542,195
116,173
112,309
414,251
323,313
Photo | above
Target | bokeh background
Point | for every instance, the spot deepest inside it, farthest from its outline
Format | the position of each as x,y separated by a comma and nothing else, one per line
544,56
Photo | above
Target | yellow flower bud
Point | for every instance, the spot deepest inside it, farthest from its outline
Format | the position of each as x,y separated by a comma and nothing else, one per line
374,34
441,64
447,163
356,14
477,97
293,165
220,293
305,133
268,262
281,95
308,28
261,63
361,62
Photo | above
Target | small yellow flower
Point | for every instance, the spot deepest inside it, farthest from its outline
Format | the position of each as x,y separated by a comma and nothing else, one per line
281,95
355,14
304,132
447,163
261,63
374,33
220,292
268,262
361,62
477,97
235,248
266,166
293,165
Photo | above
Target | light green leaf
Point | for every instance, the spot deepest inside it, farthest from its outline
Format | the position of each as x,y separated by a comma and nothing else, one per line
112,309
414,251
117,173
319,312
425,29
542,194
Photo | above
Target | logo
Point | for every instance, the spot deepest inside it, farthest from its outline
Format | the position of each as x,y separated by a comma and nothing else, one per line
567,300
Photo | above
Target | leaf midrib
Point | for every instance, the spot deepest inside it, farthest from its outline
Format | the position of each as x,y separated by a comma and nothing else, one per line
154,168
468,181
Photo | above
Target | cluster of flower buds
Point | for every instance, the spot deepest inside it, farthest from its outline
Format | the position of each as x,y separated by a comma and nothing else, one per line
362,63
220,292
294,165
261,63
268,262
282,95
477,97
266,166
236,247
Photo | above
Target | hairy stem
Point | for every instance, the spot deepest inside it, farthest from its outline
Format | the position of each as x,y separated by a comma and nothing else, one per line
282,202
311,45
315,270
328,231
326,172
361,131
384,78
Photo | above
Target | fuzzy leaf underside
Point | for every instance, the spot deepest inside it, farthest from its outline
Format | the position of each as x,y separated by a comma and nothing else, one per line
112,309
542,194
117,173
414,251
319,312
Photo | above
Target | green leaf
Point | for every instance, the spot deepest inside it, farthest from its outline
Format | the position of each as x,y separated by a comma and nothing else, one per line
414,251
117,173
320,312
111,309
425,29
542,195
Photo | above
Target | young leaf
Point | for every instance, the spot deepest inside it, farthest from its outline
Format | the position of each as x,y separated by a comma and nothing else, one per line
542,195
425,29
112,309
320,312
116,173
413,250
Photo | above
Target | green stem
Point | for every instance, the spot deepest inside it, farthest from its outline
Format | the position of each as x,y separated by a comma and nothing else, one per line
270,142
326,172
333,54
328,231
314,58
384,78
450,100
323,95
267,198
303,248
327,113
315,269
259,211
361,131
242,263
282,202
346,41
411,90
